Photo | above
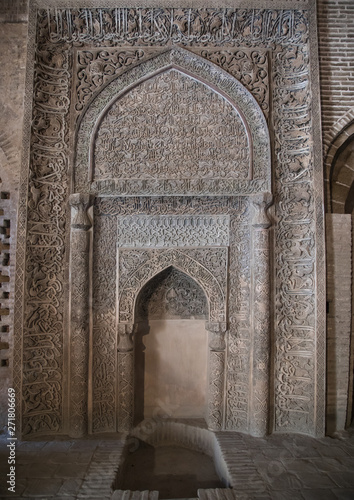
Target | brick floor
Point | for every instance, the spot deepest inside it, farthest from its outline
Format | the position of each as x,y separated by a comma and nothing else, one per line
279,467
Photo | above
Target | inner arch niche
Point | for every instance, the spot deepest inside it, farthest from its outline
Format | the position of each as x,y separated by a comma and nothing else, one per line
171,347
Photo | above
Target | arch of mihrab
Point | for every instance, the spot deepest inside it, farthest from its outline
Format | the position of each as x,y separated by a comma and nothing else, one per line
171,210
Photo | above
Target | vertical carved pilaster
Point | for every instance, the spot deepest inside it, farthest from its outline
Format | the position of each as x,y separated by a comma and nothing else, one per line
125,376
215,416
259,397
79,326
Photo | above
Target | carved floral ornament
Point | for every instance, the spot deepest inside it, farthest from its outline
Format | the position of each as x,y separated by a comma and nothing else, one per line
115,119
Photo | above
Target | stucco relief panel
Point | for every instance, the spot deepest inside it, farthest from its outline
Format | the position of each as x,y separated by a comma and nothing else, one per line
125,34
153,236
243,124
295,243
207,266
104,344
170,127
173,231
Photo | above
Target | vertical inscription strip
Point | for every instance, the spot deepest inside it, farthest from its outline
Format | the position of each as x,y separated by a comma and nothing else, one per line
104,325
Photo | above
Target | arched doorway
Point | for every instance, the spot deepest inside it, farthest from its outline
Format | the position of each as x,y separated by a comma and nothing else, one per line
340,206
134,279
171,348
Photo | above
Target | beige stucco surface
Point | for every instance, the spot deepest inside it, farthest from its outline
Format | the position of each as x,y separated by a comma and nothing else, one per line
176,368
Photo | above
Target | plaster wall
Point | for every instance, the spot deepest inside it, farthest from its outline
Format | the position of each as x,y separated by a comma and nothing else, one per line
176,368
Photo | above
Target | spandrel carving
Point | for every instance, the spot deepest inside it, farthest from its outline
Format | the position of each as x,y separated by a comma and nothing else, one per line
250,67
97,67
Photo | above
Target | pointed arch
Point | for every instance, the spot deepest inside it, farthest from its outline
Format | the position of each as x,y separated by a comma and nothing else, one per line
194,301
136,280
214,78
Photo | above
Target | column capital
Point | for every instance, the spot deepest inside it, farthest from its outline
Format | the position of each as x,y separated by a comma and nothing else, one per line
81,203
216,327
125,334
217,336
261,202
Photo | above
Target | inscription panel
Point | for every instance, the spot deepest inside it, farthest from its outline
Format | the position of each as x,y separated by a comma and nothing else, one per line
201,180
172,231
172,127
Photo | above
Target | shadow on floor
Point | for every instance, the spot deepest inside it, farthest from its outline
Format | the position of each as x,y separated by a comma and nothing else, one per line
174,471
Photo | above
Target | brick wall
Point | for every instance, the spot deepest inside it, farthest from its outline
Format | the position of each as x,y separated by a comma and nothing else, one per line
12,80
339,263
336,50
13,11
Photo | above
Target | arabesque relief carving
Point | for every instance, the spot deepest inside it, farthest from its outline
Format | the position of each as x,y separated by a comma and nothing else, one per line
169,127
208,266
173,231
200,174
251,56
172,295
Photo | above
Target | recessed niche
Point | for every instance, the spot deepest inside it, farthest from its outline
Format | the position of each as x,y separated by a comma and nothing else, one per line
174,471
171,348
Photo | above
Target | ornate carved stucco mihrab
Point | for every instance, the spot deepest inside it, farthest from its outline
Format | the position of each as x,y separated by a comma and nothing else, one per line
298,225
